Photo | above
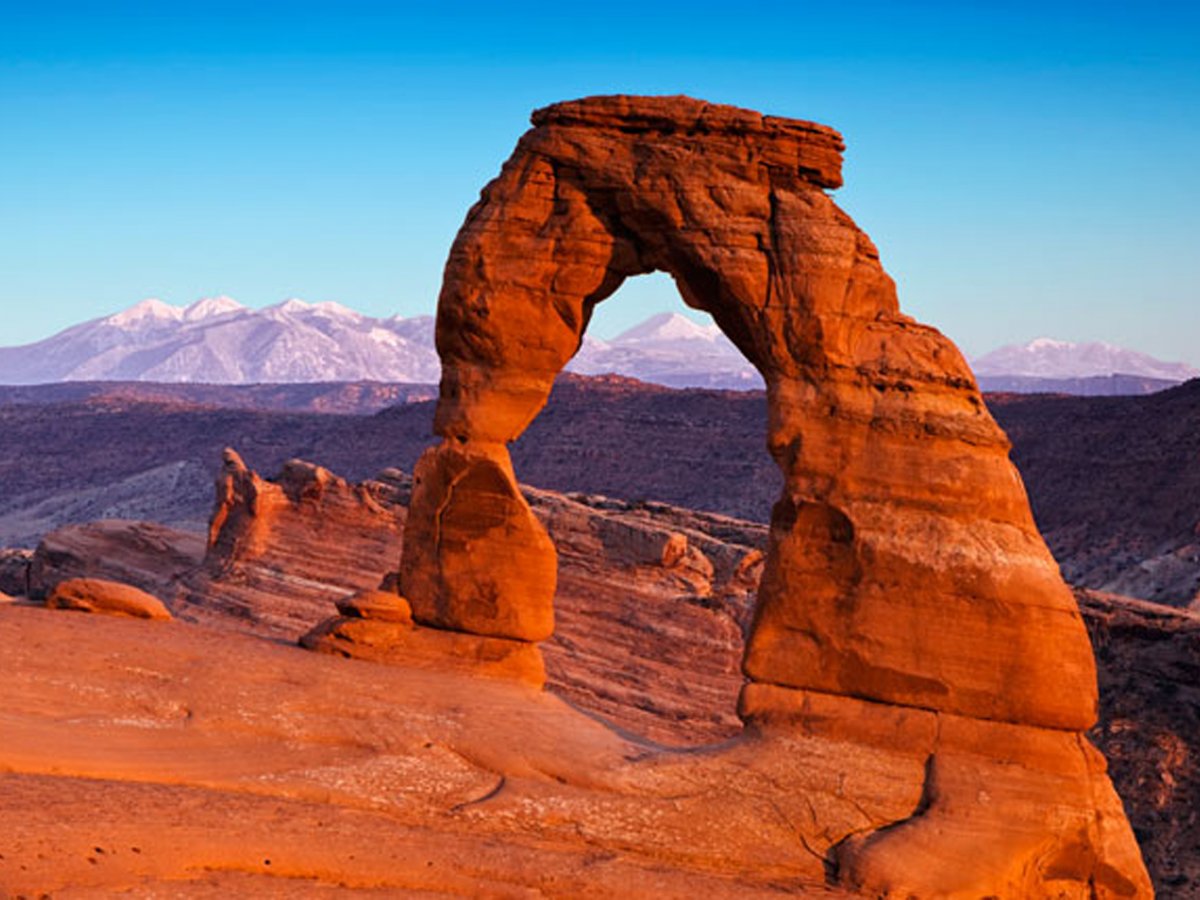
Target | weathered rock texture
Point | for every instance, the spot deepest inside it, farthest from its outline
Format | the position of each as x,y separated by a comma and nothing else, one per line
901,509
301,541
1115,485
903,568
96,595
144,554
1148,658
903,565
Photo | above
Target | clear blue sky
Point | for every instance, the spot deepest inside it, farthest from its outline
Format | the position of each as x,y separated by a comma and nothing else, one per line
1025,168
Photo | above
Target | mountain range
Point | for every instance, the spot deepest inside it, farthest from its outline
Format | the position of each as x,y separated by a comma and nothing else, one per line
219,341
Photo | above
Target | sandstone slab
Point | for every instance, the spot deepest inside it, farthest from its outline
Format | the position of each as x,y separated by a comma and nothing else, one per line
265,769
282,551
146,555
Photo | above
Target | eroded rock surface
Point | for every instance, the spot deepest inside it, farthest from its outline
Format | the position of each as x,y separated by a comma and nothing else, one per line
1148,658
146,555
96,595
282,552
920,678
14,570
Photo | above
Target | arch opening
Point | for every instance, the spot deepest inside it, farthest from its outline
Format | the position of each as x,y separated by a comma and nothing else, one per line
658,561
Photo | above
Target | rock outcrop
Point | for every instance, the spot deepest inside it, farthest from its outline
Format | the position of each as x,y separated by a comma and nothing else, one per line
655,649
96,595
282,552
903,567
1148,657
381,605
1115,486
188,760
146,555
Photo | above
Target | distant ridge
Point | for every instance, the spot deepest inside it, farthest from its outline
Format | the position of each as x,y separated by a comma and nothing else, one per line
218,341
1091,386
1047,358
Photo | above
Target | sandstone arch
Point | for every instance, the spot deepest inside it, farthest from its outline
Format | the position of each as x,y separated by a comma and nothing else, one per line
904,565
908,605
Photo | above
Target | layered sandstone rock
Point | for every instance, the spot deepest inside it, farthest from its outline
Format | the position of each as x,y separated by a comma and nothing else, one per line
282,552
146,555
903,566
96,595
414,646
666,592
190,761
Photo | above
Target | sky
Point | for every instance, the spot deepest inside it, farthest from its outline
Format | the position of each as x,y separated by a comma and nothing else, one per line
1026,169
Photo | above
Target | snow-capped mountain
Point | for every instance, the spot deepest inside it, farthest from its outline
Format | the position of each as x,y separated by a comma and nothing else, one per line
218,341
670,349
1049,358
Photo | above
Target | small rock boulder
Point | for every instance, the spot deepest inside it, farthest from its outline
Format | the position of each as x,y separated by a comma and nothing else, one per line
110,597
382,605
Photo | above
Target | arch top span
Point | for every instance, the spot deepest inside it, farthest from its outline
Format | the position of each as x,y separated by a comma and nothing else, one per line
729,202
811,150
903,566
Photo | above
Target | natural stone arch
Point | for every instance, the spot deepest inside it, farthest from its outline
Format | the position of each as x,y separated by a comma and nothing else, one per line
904,565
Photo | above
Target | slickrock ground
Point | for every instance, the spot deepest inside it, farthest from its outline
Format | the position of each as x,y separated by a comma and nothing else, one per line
195,726
179,760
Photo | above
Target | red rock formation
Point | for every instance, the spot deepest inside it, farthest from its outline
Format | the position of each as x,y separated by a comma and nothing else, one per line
95,595
1115,487
903,565
282,552
382,605
479,562
149,556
